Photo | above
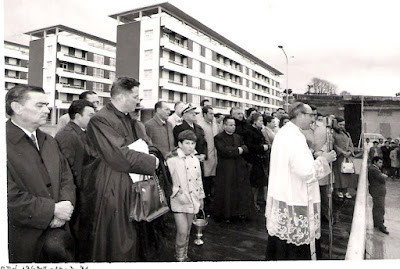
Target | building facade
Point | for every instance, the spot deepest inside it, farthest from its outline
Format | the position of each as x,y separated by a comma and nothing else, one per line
16,58
177,58
66,62
370,114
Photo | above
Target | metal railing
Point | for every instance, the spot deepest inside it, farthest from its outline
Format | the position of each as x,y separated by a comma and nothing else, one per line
357,239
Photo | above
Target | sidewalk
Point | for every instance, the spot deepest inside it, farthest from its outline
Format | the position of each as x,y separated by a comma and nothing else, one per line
380,245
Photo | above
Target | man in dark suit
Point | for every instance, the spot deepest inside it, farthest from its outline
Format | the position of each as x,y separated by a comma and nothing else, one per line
160,130
73,143
41,192
189,123
377,189
72,138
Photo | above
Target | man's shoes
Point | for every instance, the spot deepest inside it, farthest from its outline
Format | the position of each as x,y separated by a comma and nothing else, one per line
383,229
340,194
348,196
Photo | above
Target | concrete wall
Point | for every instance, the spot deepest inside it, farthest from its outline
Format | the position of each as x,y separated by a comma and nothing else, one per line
375,122
128,50
36,57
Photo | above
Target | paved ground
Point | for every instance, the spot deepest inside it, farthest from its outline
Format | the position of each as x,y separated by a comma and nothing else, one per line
246,240
380,245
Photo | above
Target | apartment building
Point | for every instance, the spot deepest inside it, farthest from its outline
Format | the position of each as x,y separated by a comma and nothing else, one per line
16,57
66,62
175,57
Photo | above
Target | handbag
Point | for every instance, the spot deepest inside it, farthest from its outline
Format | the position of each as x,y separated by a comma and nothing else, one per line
347,167
148,200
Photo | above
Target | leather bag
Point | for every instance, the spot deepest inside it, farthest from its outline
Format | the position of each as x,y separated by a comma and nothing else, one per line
148,200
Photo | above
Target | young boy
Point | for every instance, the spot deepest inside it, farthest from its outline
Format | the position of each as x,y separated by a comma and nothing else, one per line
187,191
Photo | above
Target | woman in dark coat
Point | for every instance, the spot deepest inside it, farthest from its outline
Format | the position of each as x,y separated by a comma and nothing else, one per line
233,196
257,156
344,148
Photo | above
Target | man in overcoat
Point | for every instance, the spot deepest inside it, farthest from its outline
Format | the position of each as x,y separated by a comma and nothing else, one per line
112,237
159,129
73,143
41,192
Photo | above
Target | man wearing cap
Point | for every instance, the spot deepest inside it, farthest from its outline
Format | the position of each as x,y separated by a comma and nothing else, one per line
189,123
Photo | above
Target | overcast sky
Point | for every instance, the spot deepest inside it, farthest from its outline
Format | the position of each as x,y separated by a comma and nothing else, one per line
354,44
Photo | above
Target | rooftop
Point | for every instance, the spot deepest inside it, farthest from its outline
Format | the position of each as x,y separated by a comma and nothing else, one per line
129,16
61,28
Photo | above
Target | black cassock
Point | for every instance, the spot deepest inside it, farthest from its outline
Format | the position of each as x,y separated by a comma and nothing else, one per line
233,195
106,227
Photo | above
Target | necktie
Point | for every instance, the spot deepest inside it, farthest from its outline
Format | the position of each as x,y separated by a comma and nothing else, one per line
33,137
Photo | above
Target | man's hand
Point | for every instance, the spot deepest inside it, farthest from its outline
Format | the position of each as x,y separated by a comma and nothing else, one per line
347,154
56,223
329,156
63,210
201,157
240,150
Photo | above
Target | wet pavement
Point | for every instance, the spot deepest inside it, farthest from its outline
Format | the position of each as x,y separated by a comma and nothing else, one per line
380,245
246,240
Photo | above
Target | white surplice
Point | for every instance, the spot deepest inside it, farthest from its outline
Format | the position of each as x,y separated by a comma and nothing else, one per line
293,182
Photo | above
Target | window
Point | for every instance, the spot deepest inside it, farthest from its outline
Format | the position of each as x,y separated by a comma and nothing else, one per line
196,83
64,65
147,94
97,86
195,99
12,73
208,85
148,73
208,70
12,61
148,54
79,53
148,34
112,61
97,72
196,65
208,53
196,48
112,75
50,49
98,58
171,95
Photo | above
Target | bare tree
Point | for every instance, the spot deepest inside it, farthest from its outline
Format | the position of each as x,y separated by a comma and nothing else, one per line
321,86
345,93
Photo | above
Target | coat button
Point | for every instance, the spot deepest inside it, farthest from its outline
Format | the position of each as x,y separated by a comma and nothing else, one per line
189,180
190,192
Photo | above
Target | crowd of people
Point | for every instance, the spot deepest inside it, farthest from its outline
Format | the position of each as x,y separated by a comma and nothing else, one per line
71,195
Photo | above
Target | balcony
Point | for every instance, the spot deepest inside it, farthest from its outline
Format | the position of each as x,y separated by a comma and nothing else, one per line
178,63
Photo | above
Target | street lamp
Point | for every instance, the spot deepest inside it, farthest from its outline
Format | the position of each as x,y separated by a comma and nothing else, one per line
287,79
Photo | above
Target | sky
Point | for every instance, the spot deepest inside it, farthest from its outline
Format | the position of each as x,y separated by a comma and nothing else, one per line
350,43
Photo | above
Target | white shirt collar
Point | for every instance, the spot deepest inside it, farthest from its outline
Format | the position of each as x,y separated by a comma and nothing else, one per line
181,154
29,134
